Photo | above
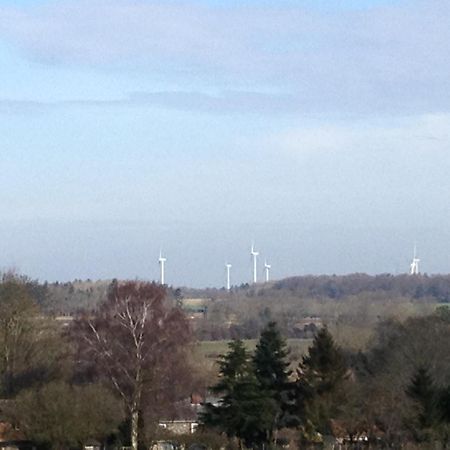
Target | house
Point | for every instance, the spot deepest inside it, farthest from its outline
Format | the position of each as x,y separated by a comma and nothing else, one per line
185,419
180,426
12,439
92,444
164,445
307,327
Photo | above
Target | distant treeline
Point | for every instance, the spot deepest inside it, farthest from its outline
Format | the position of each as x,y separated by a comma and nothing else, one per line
418,286
350,304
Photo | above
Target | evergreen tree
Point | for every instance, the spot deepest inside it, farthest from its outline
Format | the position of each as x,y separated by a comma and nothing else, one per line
233,367
318,389
429,405
271,367
423,392
444,405
272,372
244,411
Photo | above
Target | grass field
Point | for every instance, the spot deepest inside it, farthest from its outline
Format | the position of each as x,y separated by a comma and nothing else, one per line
210,350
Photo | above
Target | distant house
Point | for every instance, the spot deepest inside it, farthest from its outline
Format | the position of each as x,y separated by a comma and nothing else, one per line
307,327
164,445
181,426
195,308
92,445
17,445
185,419
13,439
64,321
362,434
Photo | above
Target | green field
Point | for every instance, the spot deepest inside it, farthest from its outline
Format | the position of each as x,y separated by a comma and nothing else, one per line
210,350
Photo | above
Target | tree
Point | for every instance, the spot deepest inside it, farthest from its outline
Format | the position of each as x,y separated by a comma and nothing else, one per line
425,396
134,341
64,416
430,417
31,347
272,372
320,377
244,411
397,350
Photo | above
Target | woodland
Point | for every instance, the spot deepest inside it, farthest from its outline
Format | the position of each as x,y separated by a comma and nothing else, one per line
107,360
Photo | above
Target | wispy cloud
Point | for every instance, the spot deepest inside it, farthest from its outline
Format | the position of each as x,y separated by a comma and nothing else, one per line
369,149
8,106
391,59
240,102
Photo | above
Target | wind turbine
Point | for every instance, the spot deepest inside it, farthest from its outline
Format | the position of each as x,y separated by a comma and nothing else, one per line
228,267
267,268
254,255
161,261
414,266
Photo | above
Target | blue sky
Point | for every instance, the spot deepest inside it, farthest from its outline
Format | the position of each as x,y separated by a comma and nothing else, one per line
320,130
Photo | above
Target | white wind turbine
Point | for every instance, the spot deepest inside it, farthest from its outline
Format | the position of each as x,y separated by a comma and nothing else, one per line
161,261
228,267
414,266
254,254
267,268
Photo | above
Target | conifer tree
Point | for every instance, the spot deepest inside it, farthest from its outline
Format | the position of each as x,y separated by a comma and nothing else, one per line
423,392
427,405
320,377
272,372
244,411
271,366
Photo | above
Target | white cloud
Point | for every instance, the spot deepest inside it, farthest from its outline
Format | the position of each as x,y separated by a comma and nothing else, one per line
426,134
382,60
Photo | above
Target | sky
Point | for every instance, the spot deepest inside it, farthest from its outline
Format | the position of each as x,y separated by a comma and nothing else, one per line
319,130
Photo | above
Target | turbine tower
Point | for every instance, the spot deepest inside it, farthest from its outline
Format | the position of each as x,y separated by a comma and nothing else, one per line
254,255
228,267
267,268
161,261
414,266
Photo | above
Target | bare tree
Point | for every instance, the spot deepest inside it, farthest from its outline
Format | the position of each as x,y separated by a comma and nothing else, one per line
31,348
134,341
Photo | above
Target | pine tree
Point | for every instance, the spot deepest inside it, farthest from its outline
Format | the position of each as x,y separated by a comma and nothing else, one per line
233,366
272,372
324,365
271,366
425,396
431,417
320,377
244,411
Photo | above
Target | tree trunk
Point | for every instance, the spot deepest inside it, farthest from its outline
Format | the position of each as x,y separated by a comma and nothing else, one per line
134,429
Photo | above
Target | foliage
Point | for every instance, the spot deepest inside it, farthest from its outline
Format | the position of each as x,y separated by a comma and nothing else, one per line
321,375
32,350
244,411
271,366
74,296
272,372
430,419
425,395
136,343
391,382
63,416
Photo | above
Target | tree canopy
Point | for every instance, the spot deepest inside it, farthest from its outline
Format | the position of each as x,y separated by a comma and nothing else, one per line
134,341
